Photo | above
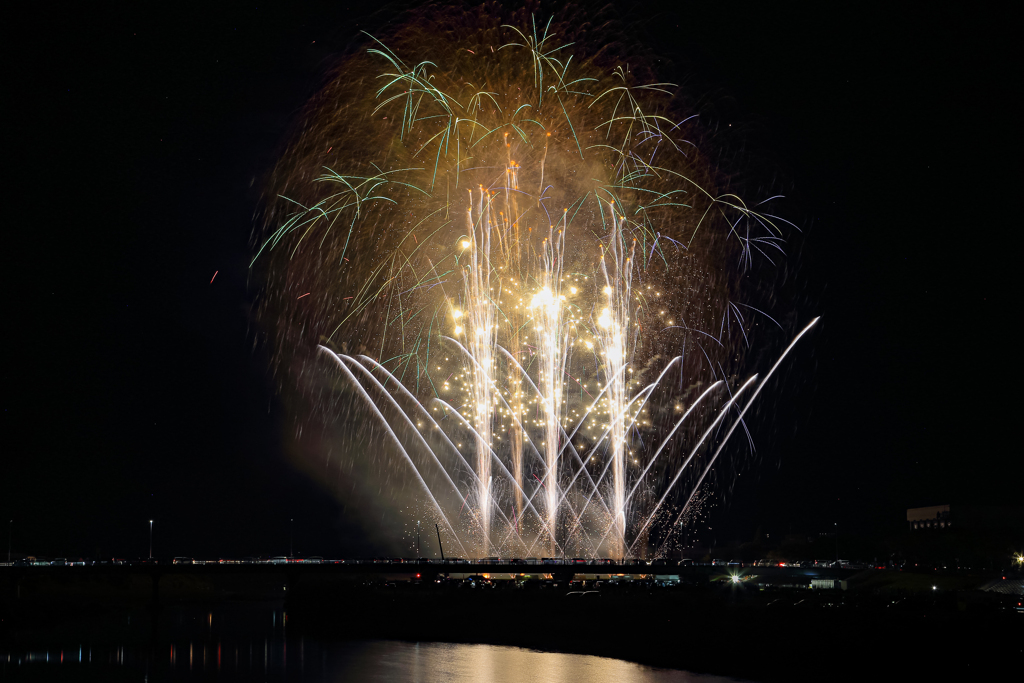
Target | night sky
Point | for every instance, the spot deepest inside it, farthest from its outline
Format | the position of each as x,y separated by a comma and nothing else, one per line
137,138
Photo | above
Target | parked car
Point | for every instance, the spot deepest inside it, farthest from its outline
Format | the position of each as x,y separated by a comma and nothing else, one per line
477,581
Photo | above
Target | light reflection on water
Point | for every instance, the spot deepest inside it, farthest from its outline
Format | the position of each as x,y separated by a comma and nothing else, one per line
422,662
243,643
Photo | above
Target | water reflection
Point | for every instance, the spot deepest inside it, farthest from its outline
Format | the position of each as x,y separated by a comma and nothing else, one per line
248,642
423,662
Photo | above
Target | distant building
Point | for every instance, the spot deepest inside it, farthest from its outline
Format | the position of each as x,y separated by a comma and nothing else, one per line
933,517
973,518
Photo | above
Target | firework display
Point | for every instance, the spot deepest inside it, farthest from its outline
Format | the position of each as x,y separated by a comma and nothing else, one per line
499,248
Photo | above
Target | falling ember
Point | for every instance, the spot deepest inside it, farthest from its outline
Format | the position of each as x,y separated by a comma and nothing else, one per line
490,322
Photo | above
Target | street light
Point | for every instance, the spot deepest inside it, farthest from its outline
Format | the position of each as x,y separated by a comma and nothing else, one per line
151,539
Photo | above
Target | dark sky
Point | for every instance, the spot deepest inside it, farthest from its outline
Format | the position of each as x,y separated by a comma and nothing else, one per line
131,386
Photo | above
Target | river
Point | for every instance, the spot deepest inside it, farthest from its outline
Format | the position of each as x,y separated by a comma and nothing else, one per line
254,643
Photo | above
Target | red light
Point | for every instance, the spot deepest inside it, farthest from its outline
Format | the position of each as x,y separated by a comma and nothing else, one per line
417,576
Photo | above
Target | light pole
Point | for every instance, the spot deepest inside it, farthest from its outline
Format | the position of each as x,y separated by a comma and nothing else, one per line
417,540
10,531
291,538
151,539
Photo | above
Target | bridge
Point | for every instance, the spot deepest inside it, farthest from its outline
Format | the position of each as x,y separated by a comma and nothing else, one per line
272,580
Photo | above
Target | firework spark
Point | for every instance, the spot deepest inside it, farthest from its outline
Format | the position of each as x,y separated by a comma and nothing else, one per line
514,232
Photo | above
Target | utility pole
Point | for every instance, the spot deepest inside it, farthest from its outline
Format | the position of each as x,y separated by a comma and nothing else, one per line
291,538
837,541
438,528
151,539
